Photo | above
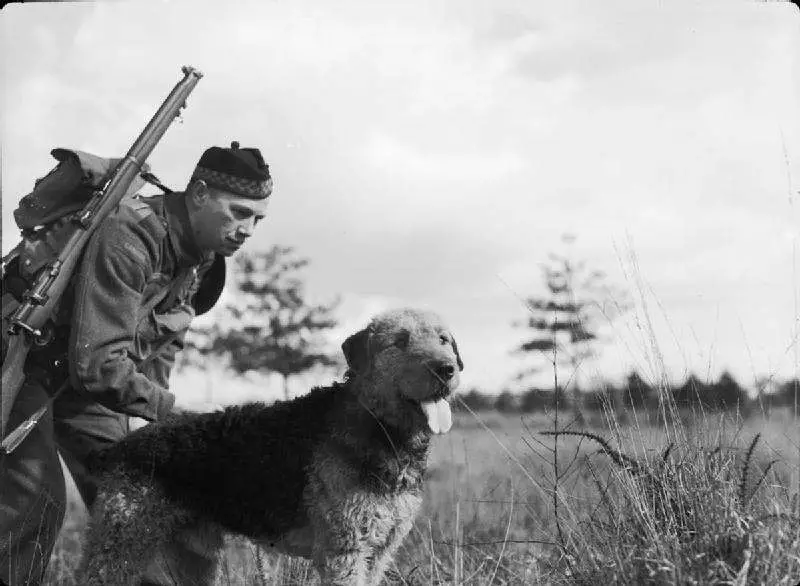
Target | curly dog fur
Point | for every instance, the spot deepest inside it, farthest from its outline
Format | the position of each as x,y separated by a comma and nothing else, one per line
334,476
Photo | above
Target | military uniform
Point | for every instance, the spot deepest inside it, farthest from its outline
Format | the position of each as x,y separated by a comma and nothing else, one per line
123,320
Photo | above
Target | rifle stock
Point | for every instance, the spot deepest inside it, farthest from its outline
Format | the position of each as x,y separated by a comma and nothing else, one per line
30,320
13,375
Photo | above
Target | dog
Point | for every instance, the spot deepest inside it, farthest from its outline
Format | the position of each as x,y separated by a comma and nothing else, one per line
335,476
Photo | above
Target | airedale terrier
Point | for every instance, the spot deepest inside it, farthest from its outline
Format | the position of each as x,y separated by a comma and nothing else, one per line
334,476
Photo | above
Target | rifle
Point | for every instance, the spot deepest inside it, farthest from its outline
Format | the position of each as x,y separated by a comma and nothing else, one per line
30,323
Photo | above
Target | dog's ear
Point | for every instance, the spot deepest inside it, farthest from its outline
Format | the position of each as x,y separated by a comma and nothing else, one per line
356,350
458,356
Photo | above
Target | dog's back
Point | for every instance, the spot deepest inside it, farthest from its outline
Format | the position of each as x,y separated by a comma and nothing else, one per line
219,462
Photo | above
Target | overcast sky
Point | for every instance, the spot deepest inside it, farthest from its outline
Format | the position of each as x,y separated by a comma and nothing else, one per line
432,153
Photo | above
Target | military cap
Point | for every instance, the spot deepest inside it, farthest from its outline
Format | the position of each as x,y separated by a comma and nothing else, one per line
237,170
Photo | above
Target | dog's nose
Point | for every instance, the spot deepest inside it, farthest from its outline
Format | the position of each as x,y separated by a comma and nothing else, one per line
445,371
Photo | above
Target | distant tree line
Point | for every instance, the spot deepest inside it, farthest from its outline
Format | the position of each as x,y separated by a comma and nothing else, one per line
637,395
562,327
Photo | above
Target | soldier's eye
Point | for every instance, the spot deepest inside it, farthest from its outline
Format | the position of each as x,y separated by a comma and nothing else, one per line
402,339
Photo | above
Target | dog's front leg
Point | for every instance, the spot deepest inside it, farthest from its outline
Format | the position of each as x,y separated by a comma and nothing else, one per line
384,555
340,551
113,549
341,568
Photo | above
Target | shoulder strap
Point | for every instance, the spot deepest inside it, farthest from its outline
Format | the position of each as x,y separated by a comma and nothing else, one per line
141,207
146,206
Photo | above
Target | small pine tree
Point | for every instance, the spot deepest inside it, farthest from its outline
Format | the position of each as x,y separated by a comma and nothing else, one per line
270,327
564,321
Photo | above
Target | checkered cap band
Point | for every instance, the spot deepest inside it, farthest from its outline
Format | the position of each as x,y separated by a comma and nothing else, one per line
238,185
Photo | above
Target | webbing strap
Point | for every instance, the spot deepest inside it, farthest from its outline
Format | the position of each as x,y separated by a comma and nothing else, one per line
153,180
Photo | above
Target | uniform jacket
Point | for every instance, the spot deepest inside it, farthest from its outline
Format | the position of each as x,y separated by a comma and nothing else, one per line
132,295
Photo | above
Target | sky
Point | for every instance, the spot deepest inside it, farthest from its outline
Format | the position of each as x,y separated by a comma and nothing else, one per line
432,154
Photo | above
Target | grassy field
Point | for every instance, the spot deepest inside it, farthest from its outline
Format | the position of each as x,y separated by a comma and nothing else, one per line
703,503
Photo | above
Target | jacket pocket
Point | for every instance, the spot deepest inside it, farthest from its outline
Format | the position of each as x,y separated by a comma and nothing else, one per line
147,328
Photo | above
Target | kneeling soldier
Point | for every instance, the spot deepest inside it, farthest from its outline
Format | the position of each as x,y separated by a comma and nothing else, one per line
150,267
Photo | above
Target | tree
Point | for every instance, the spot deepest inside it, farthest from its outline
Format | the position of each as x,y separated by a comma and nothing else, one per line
789,393
270,327
565,320
729,394
690,392
535,400
637,394
507,402
474,400
725,393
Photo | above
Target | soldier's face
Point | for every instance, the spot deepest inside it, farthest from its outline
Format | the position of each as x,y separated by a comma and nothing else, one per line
222,222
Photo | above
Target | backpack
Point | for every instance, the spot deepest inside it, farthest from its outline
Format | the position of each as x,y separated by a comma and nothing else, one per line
44,215
45,211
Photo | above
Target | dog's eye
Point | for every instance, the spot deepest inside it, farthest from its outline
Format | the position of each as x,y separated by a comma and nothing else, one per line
443,339
401,341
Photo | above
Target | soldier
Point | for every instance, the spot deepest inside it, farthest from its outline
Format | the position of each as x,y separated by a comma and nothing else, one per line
146,271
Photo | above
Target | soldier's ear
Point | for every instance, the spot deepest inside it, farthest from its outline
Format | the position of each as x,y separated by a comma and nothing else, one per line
357,351
198,192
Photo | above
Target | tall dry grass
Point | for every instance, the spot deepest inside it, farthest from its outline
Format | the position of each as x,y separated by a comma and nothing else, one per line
627,505
719,508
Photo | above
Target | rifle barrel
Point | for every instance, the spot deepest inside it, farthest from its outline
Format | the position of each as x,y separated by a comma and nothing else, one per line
42,298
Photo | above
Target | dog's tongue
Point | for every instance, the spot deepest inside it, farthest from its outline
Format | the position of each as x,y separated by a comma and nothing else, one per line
438,413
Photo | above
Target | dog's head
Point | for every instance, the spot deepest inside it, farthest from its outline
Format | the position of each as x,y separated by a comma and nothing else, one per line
408,366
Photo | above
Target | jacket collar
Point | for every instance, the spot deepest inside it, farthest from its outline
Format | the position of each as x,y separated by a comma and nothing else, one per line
180,232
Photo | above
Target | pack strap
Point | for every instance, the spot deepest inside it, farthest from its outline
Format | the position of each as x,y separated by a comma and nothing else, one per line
153,180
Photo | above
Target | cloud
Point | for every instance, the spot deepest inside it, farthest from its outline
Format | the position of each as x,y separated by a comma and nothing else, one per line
415,163
434,153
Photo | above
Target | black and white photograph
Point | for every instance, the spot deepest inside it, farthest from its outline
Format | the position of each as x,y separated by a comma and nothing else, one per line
461,292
